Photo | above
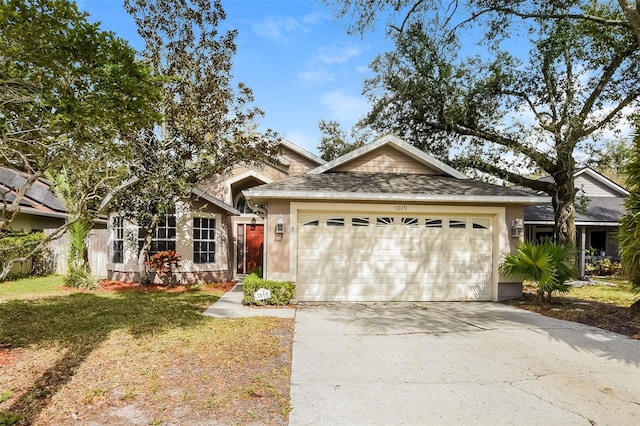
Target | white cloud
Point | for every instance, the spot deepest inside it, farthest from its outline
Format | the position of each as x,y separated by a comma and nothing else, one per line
315,75
344,108
317,68
336,55
279,28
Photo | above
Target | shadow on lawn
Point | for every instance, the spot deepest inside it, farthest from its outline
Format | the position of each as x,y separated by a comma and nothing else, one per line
81,322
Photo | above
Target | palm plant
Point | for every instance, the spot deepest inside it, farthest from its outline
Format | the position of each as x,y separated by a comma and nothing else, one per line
546,264
630,224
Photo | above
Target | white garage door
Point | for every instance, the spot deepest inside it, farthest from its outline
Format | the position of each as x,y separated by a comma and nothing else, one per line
404,257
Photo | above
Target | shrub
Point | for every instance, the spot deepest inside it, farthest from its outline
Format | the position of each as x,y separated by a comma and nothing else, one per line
281,291
80,277
545,264
17,244
164,261
603,267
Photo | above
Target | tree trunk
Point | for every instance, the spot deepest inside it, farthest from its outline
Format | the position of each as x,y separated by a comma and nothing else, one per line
143,256
563,200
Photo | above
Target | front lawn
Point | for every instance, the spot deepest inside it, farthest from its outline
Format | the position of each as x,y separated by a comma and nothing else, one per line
31,288
138,358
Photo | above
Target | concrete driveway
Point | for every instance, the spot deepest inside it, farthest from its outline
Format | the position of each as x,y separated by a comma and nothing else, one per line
458,363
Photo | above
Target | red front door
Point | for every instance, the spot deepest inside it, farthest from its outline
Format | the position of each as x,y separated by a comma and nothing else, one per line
250,247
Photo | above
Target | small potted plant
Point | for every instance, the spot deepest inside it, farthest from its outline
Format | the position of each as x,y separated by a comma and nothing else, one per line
165,263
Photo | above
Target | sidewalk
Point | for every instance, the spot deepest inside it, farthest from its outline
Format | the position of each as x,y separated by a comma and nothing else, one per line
230,306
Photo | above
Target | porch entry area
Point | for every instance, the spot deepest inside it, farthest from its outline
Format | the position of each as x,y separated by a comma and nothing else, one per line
250,245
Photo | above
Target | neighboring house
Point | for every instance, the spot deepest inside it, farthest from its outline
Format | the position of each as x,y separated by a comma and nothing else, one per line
39,209
599,208
217,234
385,222
42,210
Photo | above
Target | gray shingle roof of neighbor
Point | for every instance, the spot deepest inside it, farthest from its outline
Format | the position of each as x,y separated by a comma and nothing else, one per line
385,183
599,209
39,193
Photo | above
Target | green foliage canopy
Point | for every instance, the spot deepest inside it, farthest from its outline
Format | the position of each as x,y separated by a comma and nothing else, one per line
502,112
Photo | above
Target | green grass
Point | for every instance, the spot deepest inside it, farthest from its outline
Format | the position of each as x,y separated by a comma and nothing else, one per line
618,293
33,287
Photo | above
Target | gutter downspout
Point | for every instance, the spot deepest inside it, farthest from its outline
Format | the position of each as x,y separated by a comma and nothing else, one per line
261,211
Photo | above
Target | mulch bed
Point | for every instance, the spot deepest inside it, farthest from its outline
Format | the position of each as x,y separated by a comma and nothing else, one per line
602,315
119,286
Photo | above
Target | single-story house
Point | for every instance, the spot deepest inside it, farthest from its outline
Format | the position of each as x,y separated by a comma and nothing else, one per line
599,209
386,222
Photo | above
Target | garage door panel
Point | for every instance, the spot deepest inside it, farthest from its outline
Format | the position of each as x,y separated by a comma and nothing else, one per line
396,261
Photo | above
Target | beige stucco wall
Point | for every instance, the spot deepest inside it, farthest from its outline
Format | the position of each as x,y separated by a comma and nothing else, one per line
508,288
191,272
277,246
385,159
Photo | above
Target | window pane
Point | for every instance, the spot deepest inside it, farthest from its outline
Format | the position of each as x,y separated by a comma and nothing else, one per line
335,221
410,221
384,221
359,221
433,223
481,223
457,223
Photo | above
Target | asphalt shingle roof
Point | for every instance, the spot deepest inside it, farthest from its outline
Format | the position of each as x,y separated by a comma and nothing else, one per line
599,209
389,183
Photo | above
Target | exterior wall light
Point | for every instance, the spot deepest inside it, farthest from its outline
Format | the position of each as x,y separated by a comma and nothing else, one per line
253,223
280,225
517,228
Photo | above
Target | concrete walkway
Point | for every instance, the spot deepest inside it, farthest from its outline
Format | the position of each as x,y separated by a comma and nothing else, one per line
230,306
458,363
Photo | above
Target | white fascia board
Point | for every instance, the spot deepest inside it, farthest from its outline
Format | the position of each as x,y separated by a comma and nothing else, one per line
399,144
365,196
213,200
301,151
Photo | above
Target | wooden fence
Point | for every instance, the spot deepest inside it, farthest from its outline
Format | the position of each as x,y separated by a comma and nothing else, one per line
98,247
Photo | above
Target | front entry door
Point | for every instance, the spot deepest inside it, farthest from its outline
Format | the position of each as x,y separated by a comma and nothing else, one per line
250,247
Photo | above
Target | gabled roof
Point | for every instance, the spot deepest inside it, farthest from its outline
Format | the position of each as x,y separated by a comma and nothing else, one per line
398,144
602,179
195,191
390,187
301,151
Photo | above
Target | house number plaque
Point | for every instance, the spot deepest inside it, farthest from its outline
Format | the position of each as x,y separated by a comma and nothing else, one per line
401,207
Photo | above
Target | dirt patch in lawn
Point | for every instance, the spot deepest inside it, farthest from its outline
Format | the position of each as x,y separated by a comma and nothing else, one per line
607,316
128,355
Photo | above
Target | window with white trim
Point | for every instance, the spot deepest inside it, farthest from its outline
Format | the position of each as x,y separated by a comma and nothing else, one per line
457,223
410,221
117,244
335,221
204,244
384,221
164,237
359,221
481,223
310,220
432,222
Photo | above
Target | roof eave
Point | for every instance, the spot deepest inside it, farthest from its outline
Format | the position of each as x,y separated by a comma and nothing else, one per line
368,196
213,200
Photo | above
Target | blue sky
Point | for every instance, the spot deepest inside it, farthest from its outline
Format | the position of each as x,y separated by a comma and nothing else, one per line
299,62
